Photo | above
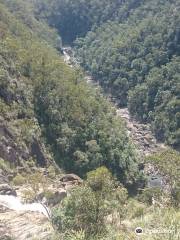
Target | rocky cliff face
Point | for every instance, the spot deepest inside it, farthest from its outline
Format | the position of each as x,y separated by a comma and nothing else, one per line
20,134
20,157
22,153
17,154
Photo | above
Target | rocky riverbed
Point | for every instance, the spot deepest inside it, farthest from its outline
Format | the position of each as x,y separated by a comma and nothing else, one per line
140,134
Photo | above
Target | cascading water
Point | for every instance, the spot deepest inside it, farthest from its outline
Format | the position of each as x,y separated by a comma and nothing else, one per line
14,203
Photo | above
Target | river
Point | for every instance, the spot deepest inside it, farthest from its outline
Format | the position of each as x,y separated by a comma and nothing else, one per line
141,134
14,203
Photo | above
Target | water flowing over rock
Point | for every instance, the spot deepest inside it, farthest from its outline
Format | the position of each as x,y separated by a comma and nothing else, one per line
14,203
23,221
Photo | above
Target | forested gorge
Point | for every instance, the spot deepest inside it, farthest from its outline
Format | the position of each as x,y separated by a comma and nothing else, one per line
132,48
138,62
76,122
53,122
75,18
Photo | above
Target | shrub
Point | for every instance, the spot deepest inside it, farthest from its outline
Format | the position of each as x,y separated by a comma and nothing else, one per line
4,165
168,164
149,193
19,180
79,235
176,196
135,209
37,183
51,172
77,212
31,162
89,205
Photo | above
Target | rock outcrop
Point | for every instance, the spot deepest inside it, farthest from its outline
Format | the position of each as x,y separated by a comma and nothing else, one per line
69,180
3,177
24,225
18,154
6,189
155,178
53,198
56,197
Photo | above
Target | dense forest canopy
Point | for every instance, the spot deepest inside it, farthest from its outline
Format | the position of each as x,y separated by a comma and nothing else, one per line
132,48
133,53
38,88
75,18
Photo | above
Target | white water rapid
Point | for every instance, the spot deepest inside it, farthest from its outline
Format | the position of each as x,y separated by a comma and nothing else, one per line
14,203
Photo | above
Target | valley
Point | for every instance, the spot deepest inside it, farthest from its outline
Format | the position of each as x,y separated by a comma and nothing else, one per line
89,119
141,134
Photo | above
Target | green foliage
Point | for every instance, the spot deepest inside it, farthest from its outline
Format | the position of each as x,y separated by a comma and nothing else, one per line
19,180
80,235
159,224
168,163
24,12
75,215
135,209
100,181
76,122
37,182
176,195
4,165
80,125
136,59
132,48
135,56
51,171
88,206
78,211
150,193
75,18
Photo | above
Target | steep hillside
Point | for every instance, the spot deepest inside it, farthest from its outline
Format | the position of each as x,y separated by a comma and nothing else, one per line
48,116
54,120
138,62
21,142
44,100
132,48
75,18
